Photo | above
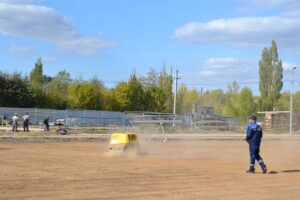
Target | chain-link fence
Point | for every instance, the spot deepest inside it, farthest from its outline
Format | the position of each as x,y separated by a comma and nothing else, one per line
94,118
36,115
71,118
279,122
272,122
213,122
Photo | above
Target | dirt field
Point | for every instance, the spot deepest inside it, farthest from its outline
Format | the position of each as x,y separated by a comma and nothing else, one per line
172,170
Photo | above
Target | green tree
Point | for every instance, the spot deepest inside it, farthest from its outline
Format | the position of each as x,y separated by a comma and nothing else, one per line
187,99
150,80
216,99
246,104
152,77
85,95
165,84
99,90
57,90
110,103
37,82
271,75
296,102
15,91
230,108
121,97
136,94
233,88
155,99
283,102
129,96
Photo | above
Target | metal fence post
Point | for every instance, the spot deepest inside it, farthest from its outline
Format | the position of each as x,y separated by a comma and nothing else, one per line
123,121
84,119
66,116
35,111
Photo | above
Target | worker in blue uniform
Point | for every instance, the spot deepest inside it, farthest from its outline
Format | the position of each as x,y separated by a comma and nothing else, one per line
254,134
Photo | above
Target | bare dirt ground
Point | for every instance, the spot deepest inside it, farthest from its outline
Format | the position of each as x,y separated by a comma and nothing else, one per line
172,170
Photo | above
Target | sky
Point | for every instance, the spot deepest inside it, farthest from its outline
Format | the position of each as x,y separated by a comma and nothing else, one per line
211,43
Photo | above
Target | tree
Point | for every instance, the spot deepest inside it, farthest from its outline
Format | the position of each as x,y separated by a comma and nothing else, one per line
216,99
85,95
187,99
129,96
37,82
57,90
150,80
296,102
99,90
15,91
136,94
230,108
152,77
110,103
165,84
245,104
271,75
233,88
155,99
121,97
283,102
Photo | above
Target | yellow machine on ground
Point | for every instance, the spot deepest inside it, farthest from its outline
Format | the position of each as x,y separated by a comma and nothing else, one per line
124,142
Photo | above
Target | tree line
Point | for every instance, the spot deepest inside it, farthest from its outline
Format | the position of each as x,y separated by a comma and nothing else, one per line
150,93
153,92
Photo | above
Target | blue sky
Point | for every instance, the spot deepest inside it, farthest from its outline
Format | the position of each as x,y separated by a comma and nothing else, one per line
211,43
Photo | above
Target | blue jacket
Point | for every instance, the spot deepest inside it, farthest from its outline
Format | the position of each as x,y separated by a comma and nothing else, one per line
253,134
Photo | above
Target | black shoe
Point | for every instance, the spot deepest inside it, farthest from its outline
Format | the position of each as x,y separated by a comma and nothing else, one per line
264,169
250,171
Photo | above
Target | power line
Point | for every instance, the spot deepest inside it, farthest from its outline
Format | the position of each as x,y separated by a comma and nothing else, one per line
220,83
224,83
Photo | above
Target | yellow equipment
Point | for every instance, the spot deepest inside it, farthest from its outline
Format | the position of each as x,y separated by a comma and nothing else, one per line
124,142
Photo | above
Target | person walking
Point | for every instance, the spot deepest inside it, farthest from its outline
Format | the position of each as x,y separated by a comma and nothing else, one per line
15,121
254,134
26,119
46,123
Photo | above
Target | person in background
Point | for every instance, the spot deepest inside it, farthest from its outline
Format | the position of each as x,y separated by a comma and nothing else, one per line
26,119
15,120
46,123
253,137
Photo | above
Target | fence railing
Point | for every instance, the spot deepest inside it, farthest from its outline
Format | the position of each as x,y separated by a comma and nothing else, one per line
95,118
279,121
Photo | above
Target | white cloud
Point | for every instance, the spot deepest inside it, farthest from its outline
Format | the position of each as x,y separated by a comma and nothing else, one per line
49,59
19,50
288,66
227,69
216,75
274,3
207,73
244,31
218,72
23,20
18,1
222,63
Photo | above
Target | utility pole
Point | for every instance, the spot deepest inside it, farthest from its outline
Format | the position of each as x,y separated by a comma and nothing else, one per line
175,95
291,101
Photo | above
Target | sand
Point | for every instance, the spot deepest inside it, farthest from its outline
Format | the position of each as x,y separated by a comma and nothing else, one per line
172,170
